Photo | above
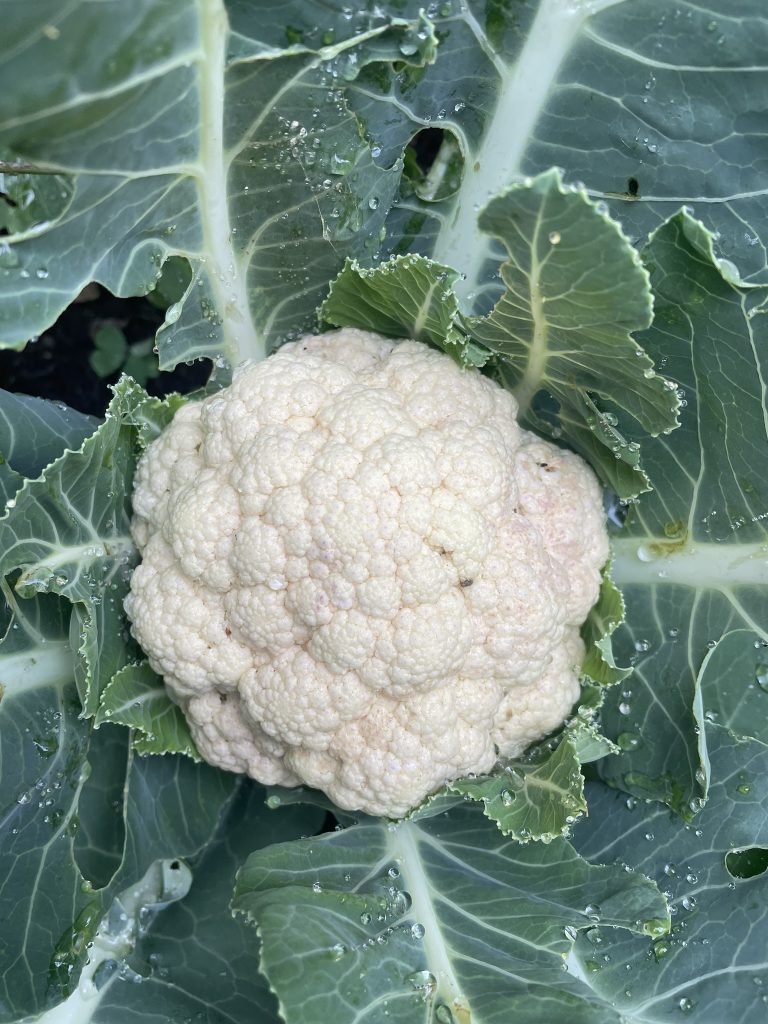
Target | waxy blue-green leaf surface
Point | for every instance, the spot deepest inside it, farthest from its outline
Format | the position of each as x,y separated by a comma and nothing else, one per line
713,967
182,127
265,143
68,533
692,558
436,916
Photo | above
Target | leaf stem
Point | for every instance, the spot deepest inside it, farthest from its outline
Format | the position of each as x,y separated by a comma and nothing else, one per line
405,851
225,271
659,561
523,89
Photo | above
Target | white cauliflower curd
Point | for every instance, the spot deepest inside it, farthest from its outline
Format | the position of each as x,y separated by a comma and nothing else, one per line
359,573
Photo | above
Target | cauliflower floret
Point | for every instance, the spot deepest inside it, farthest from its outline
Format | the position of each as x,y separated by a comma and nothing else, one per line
360,574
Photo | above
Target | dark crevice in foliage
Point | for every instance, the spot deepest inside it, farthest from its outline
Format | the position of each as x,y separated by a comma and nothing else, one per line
56,366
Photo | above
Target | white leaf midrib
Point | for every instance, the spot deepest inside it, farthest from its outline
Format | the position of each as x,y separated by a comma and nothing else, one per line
523,89
223,266
700,565
404,850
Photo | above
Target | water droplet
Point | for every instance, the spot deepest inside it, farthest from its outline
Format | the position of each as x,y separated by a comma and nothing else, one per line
173,313
555,237
628,741
417,930
422,981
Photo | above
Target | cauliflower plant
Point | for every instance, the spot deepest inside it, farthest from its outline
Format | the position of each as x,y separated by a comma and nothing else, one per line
359,573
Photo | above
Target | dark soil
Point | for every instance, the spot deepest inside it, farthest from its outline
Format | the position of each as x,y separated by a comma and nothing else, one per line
56,365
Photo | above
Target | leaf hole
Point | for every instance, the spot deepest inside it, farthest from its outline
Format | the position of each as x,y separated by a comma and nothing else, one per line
633,186
425,145
748,863
434,164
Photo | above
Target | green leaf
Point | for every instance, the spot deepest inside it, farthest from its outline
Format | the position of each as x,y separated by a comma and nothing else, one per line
533,798
440,912
100,834
587,740
29,200
690,559
606,615
712,967
406,297
594,435
43,746
734,685
522,87
110,349
136,697
70,528
264,192
68,533
34,432
574,291
197,958
10,482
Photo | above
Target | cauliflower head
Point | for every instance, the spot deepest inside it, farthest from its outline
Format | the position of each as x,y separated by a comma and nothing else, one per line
359,573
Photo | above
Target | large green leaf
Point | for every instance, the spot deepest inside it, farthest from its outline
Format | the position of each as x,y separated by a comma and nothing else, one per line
734,685
42,769
68,532
712,968
691,559
198,962
649,104
180,135
560,334
89,831
34,432
438,919
265,144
